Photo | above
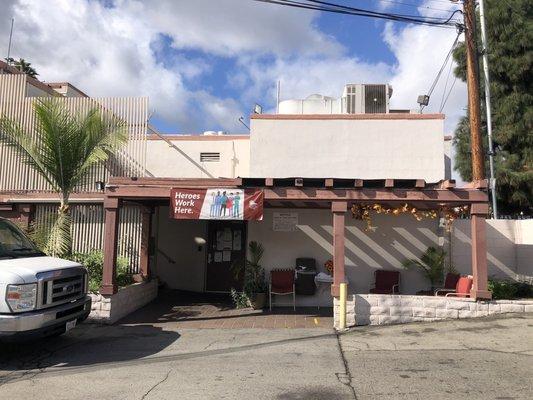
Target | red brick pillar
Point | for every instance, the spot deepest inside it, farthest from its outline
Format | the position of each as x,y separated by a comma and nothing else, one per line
478,213
339,209
146,223
109,278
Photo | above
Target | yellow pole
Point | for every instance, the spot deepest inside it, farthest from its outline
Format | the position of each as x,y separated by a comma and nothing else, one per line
342,308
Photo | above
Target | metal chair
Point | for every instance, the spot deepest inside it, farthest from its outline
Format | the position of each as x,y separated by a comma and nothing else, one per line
387,282
282,283
450,282
463,287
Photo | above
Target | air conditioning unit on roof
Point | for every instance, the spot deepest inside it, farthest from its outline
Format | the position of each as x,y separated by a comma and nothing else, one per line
366,99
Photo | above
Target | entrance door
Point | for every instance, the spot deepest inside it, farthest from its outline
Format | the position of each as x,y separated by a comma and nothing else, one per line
226,245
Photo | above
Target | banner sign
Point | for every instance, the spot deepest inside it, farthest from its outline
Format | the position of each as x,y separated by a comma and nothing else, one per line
217,203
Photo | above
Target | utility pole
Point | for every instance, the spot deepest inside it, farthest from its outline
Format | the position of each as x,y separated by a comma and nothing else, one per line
492,177
476,145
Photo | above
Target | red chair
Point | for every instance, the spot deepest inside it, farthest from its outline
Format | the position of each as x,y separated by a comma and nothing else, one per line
449,284
387,282
463,287
282,283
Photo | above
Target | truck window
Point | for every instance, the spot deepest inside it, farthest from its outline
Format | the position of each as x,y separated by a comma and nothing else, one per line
14,243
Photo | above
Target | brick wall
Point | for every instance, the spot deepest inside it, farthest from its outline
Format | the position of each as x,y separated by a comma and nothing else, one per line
109,309
374,309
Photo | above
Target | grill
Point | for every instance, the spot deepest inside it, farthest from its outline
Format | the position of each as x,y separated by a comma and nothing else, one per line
61,287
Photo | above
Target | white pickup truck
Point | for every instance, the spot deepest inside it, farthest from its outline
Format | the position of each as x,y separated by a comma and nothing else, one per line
39,295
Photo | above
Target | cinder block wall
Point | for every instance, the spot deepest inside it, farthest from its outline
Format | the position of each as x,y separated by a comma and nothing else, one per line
376,309
109,309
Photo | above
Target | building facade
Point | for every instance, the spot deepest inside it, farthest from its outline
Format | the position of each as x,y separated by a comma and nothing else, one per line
311,168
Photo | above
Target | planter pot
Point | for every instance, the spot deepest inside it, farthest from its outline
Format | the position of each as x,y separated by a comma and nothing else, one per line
258,301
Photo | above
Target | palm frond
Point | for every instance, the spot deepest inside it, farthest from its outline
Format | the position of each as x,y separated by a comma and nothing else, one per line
60,240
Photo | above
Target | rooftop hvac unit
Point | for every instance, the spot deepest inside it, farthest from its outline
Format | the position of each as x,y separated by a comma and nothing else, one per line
366,99
376,99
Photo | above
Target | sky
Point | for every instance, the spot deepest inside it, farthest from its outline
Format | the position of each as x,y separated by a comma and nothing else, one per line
205,63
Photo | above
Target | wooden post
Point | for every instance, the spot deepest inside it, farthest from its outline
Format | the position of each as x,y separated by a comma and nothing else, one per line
109,278
339,209
478,213
146,222
472,80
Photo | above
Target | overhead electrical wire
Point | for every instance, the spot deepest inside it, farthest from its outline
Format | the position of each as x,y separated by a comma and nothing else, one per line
341,9
436,80
415,5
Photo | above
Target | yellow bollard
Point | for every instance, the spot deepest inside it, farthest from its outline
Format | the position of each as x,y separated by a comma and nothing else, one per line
342,308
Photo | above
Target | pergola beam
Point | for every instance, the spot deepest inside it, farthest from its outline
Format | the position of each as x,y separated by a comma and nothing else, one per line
455,196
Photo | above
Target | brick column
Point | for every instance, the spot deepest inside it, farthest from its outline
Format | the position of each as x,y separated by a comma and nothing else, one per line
146,224
109,278
478,213
338,209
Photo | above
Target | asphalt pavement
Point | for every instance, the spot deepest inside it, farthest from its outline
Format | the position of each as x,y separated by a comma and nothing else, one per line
489,358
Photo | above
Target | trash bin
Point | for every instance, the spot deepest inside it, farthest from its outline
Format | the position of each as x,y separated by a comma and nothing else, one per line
305,276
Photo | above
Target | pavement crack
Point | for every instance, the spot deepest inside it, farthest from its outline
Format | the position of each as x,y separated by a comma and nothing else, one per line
157,384
345,377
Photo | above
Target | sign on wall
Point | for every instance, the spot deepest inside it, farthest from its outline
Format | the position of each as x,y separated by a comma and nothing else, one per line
216,204
285,222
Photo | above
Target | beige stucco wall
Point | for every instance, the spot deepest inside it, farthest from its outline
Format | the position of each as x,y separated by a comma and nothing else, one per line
393,240
509,247
348,148
176,239
183,160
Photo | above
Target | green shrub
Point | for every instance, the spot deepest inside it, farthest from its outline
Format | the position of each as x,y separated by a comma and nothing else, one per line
505,289
240,299
94,262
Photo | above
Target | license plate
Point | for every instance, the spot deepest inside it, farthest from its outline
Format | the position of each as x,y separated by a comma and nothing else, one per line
70,325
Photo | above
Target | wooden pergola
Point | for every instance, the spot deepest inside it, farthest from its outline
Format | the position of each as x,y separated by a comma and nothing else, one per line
338,195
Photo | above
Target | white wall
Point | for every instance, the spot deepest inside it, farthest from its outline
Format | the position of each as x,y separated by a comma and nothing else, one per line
183,160
347,148
176,238
509,247
393,240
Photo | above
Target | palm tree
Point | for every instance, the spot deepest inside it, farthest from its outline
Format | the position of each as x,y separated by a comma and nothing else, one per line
431,263
62,149
23,66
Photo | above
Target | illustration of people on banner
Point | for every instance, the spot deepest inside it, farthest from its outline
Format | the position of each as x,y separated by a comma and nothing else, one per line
216,203
223,204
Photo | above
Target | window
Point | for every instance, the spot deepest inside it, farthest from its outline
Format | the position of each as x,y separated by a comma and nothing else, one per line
209,157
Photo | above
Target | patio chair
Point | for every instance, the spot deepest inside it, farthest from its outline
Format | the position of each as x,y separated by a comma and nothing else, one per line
463,287
387,282
450,282
282,283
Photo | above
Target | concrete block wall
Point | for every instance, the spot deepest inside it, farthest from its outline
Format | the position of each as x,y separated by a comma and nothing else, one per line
509,248
375,309
109,309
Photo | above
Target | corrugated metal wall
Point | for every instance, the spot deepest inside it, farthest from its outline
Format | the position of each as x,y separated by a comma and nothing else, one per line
88,229
129,161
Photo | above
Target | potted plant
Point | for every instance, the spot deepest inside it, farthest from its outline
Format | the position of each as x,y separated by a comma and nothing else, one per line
254,285
432,264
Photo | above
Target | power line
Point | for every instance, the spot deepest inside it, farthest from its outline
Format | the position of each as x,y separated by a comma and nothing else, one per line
445,86
341,9
415,5
448,95
435,81
374,13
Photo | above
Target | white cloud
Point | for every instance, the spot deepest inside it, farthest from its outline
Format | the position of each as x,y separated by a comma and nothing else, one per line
111,51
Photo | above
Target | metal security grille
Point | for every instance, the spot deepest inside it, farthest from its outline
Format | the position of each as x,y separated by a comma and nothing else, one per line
209,157
88,229
128,161
375,99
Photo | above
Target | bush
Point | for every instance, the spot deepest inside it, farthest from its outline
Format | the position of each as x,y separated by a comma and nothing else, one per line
506,290
94,262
